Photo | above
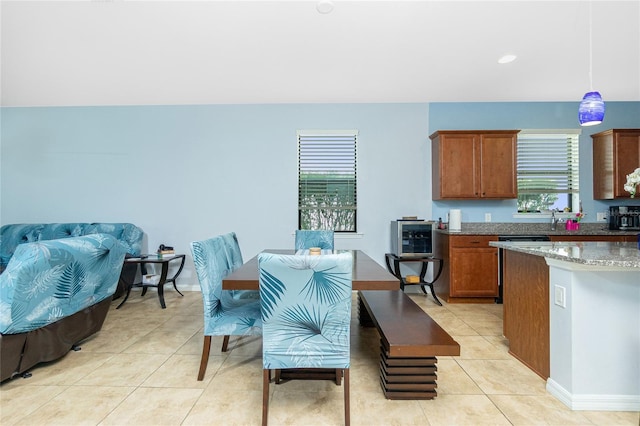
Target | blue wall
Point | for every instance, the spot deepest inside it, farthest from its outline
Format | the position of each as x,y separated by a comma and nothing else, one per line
184,173
529,115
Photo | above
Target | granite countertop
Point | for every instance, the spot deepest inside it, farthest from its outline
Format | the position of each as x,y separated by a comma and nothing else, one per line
597,253
518,228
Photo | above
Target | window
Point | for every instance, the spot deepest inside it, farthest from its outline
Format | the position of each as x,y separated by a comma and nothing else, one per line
548,167
327,196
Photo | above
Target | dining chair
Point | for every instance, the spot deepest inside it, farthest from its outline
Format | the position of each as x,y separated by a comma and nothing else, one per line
233,249
235,260
317,238
225,313
306,316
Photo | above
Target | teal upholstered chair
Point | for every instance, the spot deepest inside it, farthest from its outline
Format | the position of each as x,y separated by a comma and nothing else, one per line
235,260
233,249
226,313
306,316
306,239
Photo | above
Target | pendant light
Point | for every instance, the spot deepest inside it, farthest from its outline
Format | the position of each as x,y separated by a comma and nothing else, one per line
591,110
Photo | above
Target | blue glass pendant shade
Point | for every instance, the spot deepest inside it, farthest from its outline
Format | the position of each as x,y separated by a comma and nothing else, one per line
591,110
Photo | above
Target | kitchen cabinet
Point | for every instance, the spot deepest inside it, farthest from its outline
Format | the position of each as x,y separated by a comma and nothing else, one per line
473,164
616,153
470,270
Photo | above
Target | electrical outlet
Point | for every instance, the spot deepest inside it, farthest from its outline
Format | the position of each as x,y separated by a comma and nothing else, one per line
560,296
601,217
487,217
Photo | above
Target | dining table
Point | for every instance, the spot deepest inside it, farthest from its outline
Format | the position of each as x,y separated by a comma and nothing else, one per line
367,273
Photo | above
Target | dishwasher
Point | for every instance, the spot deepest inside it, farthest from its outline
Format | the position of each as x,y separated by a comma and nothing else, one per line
500,254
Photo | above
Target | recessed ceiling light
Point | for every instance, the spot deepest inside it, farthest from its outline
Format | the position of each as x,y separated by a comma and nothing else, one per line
324,6
506,59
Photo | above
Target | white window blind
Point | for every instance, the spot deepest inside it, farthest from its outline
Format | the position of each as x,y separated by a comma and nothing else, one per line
548,162
327,184
548,170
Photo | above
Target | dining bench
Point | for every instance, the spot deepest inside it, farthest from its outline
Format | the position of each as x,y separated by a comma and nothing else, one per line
410,341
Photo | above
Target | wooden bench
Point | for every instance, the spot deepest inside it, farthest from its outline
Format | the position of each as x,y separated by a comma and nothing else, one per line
409,343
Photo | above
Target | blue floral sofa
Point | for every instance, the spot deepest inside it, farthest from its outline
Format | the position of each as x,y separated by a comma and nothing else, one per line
56,284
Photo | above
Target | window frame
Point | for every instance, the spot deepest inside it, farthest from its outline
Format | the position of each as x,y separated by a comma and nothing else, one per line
352,137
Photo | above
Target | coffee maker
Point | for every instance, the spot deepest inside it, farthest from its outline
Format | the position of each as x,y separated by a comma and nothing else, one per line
624,218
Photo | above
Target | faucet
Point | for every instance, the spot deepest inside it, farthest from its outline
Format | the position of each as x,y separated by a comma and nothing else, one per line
554,219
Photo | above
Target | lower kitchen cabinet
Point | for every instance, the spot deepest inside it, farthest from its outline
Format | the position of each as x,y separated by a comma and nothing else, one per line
470,272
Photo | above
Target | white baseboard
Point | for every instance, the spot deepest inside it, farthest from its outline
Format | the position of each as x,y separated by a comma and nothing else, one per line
587,402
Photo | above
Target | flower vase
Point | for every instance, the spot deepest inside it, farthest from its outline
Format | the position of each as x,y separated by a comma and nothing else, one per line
572,226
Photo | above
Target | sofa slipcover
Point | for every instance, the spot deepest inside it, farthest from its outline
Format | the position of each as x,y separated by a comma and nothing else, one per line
56,284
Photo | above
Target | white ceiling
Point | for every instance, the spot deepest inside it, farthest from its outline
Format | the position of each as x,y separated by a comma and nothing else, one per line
210,52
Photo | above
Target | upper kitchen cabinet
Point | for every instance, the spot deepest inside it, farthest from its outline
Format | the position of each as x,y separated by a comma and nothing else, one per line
616,153
471,164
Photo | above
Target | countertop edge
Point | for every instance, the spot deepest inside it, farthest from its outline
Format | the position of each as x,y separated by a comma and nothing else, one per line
519,228
602,254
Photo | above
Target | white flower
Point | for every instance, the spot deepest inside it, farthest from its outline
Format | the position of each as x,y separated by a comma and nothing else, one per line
633,180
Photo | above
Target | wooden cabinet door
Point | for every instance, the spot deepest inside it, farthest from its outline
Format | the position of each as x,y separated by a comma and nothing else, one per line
616,153
603,166
498,166
627,155
474,272
458,158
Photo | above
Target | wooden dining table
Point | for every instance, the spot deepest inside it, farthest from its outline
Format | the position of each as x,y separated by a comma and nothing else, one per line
367,274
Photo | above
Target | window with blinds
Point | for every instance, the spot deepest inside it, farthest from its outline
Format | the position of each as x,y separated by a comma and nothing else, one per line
548,170
327,184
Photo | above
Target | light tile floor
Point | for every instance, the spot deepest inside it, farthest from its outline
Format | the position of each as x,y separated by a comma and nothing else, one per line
141,370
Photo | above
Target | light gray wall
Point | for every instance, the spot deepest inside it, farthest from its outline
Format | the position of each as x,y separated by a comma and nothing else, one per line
184,173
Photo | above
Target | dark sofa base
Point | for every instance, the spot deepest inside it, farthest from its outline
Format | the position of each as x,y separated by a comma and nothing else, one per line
127,275
20,352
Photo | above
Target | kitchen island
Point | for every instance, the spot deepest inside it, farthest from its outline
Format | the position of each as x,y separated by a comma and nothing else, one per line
572,314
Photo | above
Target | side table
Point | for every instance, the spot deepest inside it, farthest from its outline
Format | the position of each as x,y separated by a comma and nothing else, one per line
395,270
151,259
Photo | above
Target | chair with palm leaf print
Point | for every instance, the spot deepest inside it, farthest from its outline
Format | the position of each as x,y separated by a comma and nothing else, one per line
317,238
235,260
306,316
233,249
225,313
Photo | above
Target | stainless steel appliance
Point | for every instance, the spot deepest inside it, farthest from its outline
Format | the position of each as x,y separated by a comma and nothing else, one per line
624,218
501,253
412,238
